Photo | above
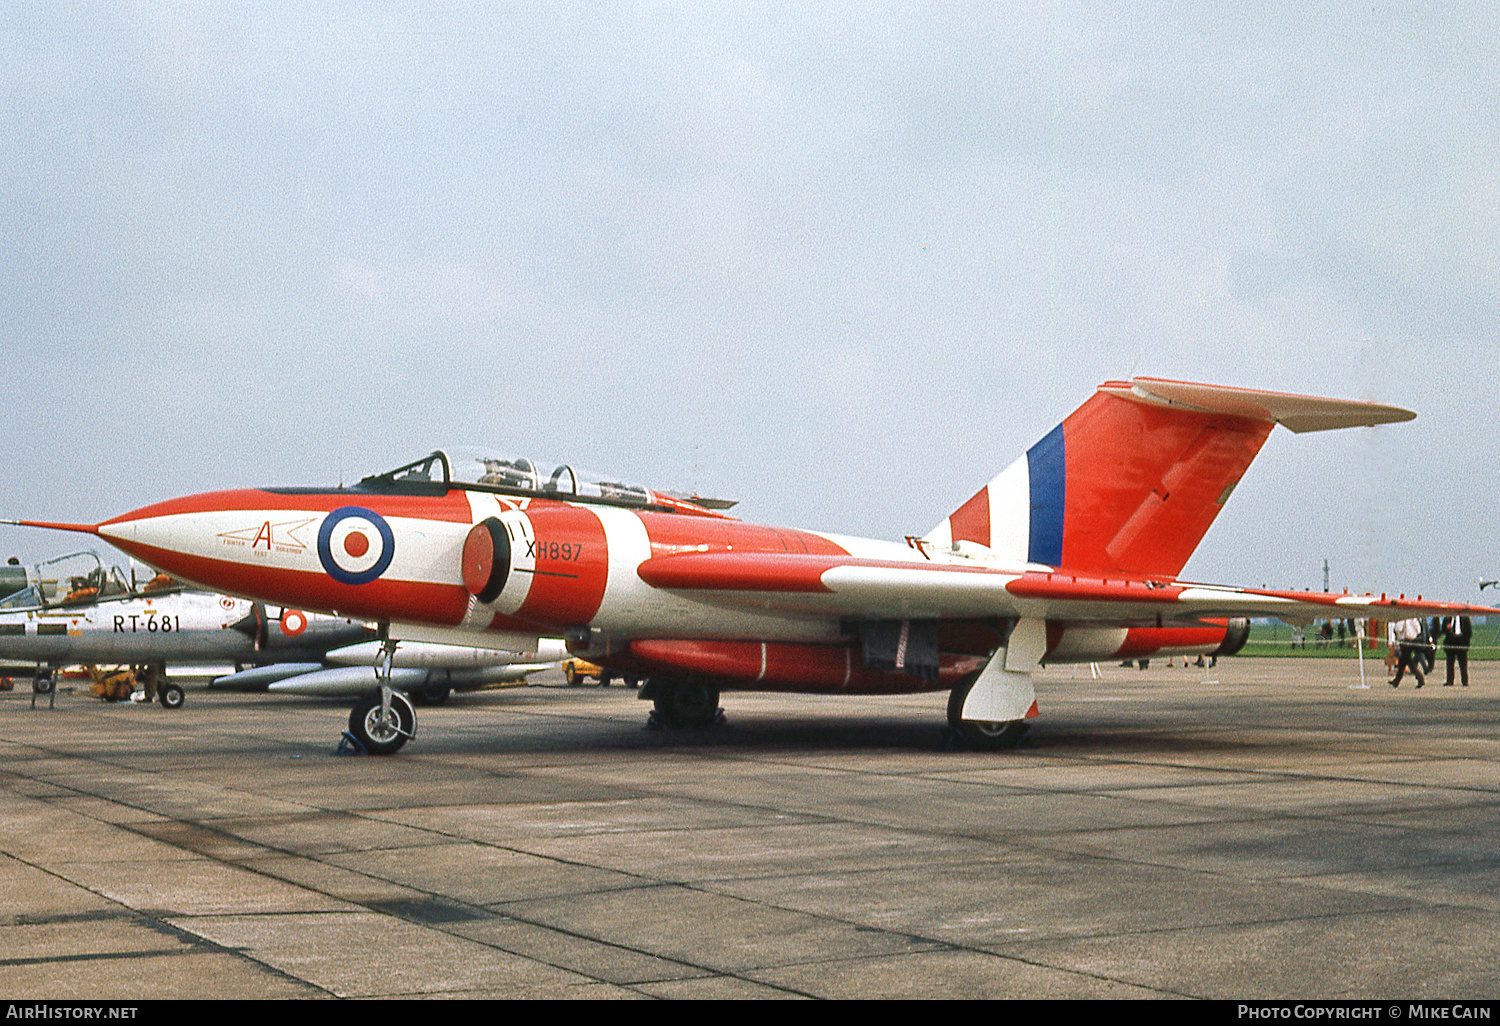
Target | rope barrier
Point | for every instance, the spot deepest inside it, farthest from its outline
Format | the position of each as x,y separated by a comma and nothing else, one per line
1488,649
1371,645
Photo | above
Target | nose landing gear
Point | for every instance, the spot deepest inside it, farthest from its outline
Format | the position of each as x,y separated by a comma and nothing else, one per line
384,721
381,725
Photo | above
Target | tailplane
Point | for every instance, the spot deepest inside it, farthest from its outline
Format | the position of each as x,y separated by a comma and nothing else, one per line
1131,480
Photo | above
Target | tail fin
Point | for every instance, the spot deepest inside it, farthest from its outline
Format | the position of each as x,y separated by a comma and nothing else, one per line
1131,480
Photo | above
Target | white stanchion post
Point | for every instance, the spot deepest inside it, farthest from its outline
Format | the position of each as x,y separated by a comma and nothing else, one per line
1359,644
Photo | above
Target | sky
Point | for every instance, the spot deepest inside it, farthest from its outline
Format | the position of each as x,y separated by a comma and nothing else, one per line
843,263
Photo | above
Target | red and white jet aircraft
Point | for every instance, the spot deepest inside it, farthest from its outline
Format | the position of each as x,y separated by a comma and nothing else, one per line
1071,554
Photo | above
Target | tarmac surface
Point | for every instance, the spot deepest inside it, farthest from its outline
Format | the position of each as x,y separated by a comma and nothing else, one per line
1260,831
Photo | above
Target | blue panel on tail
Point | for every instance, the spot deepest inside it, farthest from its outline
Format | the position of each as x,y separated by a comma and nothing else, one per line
1047,466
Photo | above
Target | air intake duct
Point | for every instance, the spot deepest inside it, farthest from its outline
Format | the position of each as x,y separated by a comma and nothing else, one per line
486,559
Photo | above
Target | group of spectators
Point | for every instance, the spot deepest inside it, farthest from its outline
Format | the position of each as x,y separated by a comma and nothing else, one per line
1323,636
1413,645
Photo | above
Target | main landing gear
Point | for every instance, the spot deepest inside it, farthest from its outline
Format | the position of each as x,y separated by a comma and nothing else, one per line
982,735
682,704
154,684
42,684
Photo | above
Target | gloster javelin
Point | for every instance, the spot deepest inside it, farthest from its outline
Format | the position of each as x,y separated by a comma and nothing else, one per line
1071,554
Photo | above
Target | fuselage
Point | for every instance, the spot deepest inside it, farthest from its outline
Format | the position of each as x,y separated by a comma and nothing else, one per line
623,583
571,566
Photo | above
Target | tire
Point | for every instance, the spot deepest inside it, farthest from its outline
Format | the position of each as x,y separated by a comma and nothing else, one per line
982,735
42,685
170,695
570,671
687,705
429,694
379,738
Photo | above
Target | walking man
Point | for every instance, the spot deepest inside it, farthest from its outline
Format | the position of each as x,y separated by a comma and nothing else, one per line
1458,631
1408,637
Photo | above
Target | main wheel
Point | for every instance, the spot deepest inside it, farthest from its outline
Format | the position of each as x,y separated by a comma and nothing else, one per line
42,684
170,695
982,735
687,705
382,735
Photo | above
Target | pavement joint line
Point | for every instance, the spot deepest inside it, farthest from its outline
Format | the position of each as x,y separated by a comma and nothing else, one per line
602,941
58,876
1158,931
711,971
191,943
1152,864
906,935
934,944
1017,840
911,938
105,796
485,912
953,777
1411,906
245,955
103,956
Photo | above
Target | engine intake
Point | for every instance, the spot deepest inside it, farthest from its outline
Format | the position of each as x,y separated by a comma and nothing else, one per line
486,559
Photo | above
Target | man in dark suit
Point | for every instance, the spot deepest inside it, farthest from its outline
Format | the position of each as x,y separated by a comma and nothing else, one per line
1458,631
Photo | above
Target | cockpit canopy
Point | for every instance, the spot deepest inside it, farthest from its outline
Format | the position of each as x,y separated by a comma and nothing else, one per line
79,578
469,467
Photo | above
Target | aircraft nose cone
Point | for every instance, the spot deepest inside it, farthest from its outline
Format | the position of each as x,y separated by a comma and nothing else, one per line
131,529
165,533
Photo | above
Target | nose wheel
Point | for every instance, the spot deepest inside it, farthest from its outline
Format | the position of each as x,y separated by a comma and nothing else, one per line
383,722
382,731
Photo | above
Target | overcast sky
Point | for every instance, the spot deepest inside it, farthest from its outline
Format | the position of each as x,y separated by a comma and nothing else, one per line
843,263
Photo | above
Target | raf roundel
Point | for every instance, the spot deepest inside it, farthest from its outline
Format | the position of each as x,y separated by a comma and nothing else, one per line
355,545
